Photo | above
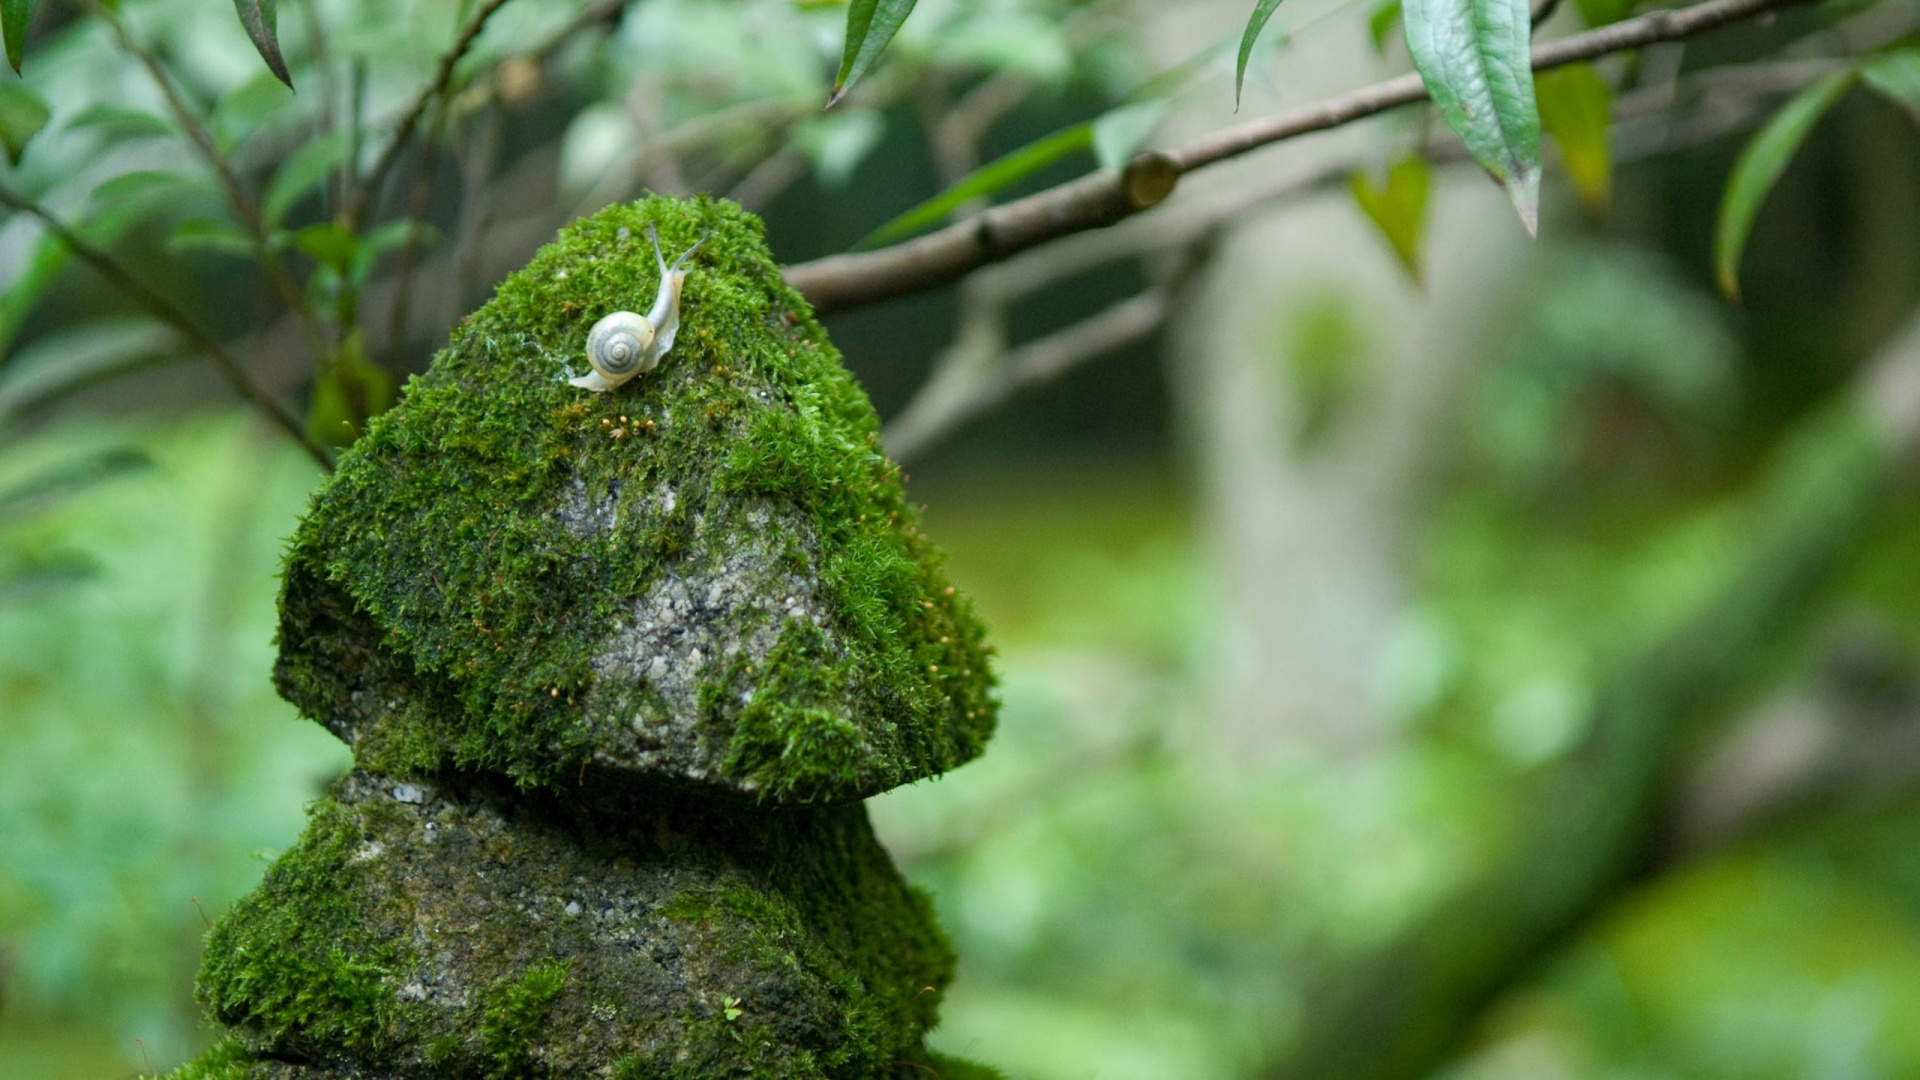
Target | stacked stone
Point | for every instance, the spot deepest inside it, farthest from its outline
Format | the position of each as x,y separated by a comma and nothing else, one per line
616,669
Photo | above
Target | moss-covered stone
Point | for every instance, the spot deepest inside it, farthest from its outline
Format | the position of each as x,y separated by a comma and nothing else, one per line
463,929
709,573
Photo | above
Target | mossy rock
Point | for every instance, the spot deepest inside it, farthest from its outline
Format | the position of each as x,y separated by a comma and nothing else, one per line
231,1060
469,930
710,573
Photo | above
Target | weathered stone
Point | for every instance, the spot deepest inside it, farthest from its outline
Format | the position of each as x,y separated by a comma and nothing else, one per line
465,929
615,669
709,573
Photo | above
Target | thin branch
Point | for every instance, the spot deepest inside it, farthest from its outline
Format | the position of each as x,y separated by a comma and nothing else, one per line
945,405
424,168
1731,99
237,193
839,282
369,188
163,309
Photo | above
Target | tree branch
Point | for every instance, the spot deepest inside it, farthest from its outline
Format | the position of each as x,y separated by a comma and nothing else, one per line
839,282
944,406
163,309
1725,100
369,188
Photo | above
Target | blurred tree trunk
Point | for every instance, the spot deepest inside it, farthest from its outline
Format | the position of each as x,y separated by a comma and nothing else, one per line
1402,1010
1314,379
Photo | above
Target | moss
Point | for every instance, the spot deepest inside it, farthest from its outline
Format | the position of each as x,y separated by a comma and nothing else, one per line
489,932
492,534
513,1012
294,964
227,1059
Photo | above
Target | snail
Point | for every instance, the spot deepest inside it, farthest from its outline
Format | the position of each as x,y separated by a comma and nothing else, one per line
625,343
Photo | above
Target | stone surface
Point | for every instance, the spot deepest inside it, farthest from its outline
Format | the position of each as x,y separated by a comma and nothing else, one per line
464,929
710,573
615,669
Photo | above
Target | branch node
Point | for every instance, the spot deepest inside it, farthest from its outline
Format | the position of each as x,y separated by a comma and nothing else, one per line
1149,178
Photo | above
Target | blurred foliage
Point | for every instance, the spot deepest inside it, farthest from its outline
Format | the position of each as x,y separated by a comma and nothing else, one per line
1127,898
149,767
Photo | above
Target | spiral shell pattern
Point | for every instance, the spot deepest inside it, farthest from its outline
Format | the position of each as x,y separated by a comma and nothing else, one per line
617,345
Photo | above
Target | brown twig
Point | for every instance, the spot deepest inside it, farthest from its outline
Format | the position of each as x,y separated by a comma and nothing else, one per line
239,196
945,406
839,282
423,178
1730,99
163,309
369,188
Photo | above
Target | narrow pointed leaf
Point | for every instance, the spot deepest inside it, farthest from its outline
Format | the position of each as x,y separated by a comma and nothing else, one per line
985,180
1473,56
22,115
870,25
1760,166
1399,208
1381,22
1576,108
1896,76
14,17
1262,11
261,21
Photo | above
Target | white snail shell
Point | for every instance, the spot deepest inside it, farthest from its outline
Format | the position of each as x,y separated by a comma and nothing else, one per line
620,346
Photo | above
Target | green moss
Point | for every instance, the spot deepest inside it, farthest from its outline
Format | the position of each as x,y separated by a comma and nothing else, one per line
513,1013
463,928
227,1059
294,963
449,592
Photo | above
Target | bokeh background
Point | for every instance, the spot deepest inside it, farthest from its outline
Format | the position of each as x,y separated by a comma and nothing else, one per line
1311,604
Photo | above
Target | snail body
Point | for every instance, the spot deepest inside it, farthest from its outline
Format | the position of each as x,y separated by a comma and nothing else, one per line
625,344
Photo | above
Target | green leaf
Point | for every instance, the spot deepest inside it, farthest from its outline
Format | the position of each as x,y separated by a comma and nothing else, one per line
1262,11
14,17
870,25
300,173
109,221
350,391
837,142
1473,56
1399,209
22,115
1896,76
23,293
1380,24
68,477
1118,133
1603,12
119,123
1576,108
330,245
241,110
985,180
1760,166
144,189
261,20
59,364
386,237
208,234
